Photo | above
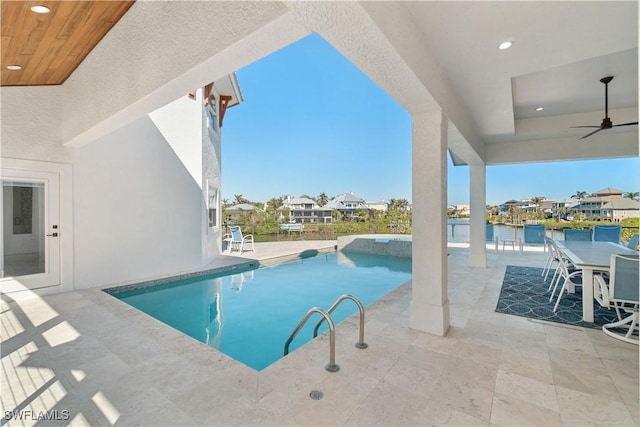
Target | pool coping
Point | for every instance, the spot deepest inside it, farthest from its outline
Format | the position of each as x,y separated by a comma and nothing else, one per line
248,264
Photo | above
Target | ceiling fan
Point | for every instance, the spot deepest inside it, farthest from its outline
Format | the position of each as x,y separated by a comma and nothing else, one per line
606,122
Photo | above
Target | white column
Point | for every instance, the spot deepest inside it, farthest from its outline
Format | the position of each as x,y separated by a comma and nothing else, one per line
429,301
477,198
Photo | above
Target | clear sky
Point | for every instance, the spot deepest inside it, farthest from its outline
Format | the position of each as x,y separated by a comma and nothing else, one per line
311,122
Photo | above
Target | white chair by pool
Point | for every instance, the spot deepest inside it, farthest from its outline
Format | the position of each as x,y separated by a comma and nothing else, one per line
236,240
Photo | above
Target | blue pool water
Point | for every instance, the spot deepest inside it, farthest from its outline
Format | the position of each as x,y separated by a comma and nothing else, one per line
250,315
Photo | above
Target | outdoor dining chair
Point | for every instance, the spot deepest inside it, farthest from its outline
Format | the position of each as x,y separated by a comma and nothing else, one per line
534,234
575,234
553,257
621,293
607,233
490,237
571,279
633,242
507,236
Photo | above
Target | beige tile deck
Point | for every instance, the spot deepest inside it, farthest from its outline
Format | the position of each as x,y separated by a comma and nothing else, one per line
108,364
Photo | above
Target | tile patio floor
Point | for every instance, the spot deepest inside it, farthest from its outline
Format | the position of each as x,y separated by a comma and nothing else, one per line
108,364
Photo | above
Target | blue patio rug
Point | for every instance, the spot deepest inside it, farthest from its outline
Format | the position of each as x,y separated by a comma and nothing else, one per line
524,293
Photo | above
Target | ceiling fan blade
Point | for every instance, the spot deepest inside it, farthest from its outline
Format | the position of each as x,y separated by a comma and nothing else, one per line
585,126
626,124
588,135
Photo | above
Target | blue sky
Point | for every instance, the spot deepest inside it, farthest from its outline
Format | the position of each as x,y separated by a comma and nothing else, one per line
311,122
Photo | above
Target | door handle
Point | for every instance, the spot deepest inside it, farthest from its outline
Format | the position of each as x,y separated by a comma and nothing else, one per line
52,235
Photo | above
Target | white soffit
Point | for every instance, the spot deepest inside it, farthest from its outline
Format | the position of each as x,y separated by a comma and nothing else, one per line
462,37
577,88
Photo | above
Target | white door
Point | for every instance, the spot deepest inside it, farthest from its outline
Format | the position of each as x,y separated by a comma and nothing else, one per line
30,243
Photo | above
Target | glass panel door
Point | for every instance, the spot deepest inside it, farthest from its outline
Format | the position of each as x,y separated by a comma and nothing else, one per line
30,230
23,228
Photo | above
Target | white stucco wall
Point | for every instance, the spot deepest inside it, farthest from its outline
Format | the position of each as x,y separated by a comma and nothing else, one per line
211,176
183,123
180,123
30,118
137,209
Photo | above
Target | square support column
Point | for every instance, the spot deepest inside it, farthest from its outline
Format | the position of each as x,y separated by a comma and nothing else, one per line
477,220
429,300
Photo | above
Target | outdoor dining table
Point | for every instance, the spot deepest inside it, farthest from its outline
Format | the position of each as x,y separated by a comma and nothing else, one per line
590,256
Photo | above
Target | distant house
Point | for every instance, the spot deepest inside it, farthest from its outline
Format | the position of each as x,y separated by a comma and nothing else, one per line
242,207
237,214
525,205
560,208
617,209
303,210
609,192
606,204
462,210
593,207
348,205
378,206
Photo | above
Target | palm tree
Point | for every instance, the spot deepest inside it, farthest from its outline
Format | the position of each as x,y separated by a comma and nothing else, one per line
492,210
537,201
580,195
239,199
322,199
362,215
633,195
398,204
274,204
515,212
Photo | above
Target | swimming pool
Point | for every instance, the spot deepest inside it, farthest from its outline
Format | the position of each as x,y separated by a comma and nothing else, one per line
249,315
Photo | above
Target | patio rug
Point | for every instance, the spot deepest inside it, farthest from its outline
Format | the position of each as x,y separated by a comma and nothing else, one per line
524,293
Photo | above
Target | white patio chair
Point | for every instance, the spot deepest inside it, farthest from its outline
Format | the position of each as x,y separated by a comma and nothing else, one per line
569,281
506,236
553,257
237,240
621,293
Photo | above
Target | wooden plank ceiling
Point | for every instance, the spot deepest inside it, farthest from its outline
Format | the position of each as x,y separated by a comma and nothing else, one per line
50,46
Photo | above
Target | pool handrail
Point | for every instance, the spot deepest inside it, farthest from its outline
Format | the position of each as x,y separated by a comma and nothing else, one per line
331,367
360,343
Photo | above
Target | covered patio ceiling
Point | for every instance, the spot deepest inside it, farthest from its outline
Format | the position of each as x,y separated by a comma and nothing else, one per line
560,52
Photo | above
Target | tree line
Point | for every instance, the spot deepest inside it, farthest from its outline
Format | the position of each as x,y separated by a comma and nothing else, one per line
266,218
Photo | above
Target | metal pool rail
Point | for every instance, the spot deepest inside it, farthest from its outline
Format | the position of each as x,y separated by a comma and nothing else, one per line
326,315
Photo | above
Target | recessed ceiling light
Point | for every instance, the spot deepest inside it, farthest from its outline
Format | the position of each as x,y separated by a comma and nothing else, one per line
40,9
505,45
14,67
539,108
